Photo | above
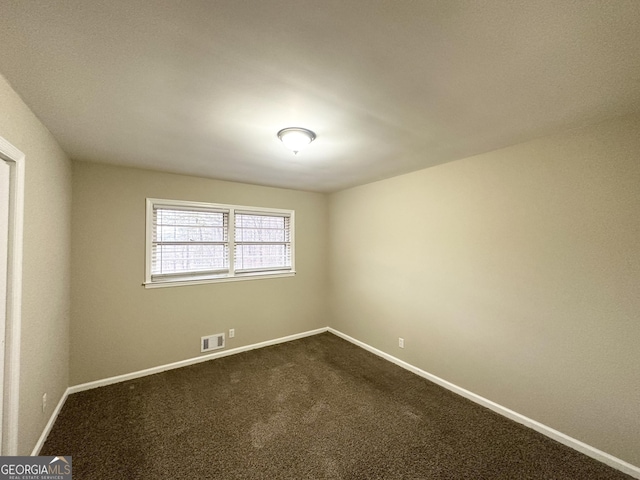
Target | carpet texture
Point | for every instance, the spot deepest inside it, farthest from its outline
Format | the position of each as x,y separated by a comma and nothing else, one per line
318,407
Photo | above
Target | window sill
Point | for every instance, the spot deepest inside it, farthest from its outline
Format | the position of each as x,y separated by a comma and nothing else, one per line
200,281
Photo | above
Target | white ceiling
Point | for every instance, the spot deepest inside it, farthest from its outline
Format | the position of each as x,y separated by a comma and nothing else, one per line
201,87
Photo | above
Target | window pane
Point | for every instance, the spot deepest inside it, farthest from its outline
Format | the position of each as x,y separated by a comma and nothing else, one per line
187,241
190,226
261,228
262,242
249,257
176,259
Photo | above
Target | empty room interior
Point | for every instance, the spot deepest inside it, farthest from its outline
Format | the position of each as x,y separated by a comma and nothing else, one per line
355,239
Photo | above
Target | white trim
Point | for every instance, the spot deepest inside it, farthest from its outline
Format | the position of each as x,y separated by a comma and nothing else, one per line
190,361
148,240
52,420
571,442
292,238
237,278
14,312
232,248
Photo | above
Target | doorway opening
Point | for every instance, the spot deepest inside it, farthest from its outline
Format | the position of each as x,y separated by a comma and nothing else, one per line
11,233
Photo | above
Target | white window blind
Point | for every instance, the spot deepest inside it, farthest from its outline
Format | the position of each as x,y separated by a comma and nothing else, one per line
187,241
262,242
193,242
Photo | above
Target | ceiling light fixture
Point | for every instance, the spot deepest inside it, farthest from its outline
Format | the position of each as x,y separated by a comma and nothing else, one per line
295,138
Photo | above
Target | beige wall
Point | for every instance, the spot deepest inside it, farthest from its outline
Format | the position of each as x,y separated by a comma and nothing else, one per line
44,360
514,274
118,326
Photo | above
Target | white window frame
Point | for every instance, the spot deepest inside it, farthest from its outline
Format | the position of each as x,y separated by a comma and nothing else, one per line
232,275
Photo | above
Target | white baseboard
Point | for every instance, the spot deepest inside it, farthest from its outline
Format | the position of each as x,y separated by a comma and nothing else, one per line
49,425
570,442
191,361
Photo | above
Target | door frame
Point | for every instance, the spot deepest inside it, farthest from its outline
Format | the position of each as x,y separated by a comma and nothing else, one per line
11,398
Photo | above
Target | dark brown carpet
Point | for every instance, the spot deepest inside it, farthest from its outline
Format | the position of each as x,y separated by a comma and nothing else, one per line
319,407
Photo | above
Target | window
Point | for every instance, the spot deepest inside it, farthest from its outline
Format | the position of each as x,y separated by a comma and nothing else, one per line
191,243
262,242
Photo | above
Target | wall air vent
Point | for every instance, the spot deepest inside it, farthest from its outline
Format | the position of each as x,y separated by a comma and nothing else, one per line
212,342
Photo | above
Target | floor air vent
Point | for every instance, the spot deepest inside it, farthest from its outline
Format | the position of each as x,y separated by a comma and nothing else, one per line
212,342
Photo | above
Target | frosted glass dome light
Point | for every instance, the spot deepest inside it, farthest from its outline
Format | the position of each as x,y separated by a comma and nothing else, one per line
295,138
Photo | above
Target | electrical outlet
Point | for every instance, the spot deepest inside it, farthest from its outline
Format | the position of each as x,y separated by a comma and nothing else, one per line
44,402
401,342
232,332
